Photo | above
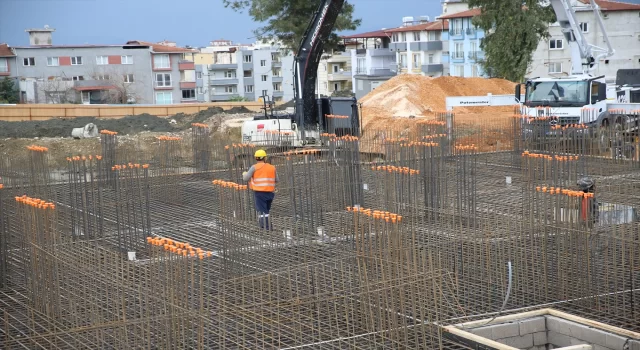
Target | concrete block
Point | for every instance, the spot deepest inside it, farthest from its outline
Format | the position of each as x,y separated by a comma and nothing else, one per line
558,340
484,332
532,325
599,347
520,342
634,345
593,335
615,342
540,338
505,330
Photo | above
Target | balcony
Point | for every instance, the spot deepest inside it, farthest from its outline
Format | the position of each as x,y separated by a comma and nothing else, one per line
361,52
223,96
276,64
341,76
187,85
186,65
343,57
376,72
474,55
223,66
250,96
426,46
398,46
381,52
432,68
471,33
457,55
456,32
223,82
276,79
278,93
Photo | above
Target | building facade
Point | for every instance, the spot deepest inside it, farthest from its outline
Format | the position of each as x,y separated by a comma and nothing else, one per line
421,47
371,61
334,74
249,74
136,72
464,54
622,23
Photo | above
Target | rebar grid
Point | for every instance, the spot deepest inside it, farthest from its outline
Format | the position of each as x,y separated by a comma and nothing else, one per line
451,205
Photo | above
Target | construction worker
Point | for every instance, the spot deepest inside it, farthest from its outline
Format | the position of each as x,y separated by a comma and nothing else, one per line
589,210
262,179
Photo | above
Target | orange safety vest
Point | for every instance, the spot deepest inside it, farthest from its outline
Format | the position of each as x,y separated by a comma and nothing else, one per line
264,178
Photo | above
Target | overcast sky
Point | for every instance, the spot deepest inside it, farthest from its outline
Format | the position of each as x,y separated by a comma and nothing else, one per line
188,22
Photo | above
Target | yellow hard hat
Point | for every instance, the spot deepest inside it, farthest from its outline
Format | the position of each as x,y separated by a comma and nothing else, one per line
260,154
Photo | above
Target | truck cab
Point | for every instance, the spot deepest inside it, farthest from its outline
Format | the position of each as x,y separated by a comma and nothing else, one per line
571,100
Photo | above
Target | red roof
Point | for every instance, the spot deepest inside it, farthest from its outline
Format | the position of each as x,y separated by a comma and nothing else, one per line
375,34
606,5
160,47
468,13
5,51
437,25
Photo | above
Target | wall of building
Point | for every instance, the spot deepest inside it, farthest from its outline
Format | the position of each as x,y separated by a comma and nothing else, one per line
175,89
89,69
623,28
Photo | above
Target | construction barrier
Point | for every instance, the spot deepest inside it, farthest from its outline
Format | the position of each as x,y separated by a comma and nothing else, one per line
23,112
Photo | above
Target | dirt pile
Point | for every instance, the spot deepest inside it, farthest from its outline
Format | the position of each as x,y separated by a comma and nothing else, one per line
414,95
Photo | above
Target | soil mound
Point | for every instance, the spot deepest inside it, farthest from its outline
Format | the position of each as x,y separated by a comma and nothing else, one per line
414,95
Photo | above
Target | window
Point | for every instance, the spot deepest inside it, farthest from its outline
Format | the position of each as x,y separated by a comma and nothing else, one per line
29,61
336,86
265,77
555,67
230,89
361,67
128,78
275,57
432,35
53,61
265,92
395,38
248,58
416,36
103,77
102,60
417,61
4,65
78,77
198,75
229,74
86,96
248,74
164,98
263,63
336,68
459,50
163,80
403,60
126,59
188,94
431,61
161,62
584,27
403,37
457,27
474,71
76,60
555,44
567,92
248,88
277,87
458,70
277,73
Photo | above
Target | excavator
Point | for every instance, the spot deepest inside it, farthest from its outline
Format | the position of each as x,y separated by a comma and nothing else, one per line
312,116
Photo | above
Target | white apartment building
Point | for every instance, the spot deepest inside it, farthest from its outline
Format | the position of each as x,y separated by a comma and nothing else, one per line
334,73
371,60
419,47
622,23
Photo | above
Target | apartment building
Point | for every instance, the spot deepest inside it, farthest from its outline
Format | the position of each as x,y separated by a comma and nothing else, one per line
622,24
246,74
421,46
371,61
334,73
7,61
464,42
136,72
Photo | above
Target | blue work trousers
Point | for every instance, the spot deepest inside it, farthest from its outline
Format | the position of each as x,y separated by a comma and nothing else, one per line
263,207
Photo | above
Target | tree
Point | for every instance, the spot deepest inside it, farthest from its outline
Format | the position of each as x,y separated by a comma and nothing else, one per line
237,99
513,30
8,91
122,88
287,20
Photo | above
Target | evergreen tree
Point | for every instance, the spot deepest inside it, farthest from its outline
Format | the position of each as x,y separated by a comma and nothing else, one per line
8,91
513,29
287,20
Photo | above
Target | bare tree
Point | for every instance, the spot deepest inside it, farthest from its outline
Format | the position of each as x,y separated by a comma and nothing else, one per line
120,87
55,90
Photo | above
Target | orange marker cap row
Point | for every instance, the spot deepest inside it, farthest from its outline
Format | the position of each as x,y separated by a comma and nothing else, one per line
107,132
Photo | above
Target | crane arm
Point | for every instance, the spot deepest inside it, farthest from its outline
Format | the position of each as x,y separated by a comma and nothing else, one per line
308,58
582,52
